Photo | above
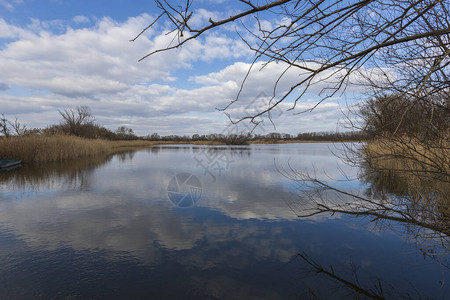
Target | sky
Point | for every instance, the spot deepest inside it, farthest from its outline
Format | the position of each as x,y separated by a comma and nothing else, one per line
59,54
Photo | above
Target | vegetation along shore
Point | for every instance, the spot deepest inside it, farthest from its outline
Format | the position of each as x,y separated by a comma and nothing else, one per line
78,136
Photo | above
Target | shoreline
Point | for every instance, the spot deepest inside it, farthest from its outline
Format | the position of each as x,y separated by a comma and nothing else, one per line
263,142
63,147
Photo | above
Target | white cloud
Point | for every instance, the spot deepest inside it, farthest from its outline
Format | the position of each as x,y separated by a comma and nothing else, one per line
10,31
81,19
10,4
79,61
201,18
98,66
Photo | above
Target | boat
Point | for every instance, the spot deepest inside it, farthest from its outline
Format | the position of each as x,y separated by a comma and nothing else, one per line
9,169
9,163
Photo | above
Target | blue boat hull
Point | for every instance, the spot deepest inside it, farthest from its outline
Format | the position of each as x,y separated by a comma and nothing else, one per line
9,163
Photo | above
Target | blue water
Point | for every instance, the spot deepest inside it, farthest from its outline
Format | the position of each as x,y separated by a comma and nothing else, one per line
108,228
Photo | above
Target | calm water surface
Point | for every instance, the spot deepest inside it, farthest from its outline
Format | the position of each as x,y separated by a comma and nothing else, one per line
106,228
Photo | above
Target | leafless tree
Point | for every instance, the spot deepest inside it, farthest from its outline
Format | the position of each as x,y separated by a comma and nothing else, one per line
19,128
125,133
76,119
329,41
8,128
231,139
4,126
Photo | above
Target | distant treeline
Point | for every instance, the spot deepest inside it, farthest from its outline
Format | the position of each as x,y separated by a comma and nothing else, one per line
79,122
274,136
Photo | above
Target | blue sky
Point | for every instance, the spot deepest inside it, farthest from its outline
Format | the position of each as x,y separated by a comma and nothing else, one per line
59,54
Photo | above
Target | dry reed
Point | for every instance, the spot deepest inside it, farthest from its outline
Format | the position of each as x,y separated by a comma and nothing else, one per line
61,147
422,168
410,155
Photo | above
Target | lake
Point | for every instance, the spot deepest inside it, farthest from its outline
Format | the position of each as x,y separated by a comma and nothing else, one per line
201,222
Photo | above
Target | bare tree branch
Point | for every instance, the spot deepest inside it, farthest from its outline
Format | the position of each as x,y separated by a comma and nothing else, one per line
326,41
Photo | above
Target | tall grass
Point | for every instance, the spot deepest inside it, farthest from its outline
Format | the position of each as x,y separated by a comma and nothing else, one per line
421,170
410,155
60,147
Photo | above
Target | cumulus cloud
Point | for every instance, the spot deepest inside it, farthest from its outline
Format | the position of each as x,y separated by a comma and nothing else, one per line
81,19
267,83
99,57
97,66
8,31
10,4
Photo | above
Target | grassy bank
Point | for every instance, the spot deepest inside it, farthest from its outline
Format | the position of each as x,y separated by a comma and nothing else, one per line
418,169
61,147
406,154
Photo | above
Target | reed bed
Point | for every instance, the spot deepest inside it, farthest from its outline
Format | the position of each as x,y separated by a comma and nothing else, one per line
61,147
132,144
410,155
421,170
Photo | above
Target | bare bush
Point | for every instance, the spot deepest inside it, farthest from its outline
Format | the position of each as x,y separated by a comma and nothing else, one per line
76,121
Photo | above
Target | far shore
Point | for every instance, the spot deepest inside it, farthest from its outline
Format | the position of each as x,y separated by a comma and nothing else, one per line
266,141
64,147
